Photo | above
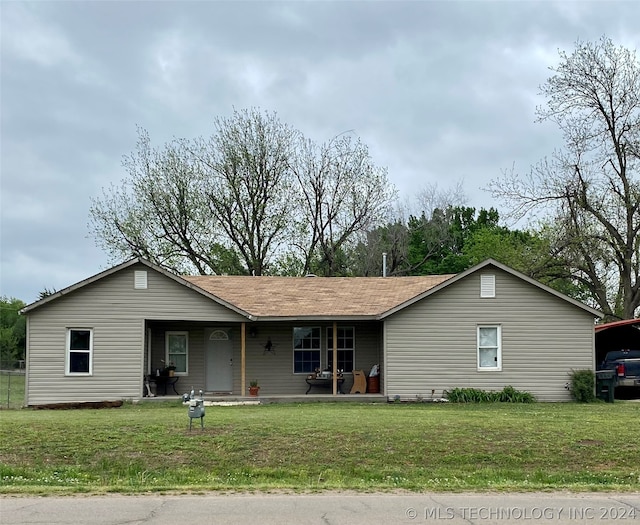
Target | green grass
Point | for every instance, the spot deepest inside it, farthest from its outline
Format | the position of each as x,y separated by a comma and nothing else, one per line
441,447
11,389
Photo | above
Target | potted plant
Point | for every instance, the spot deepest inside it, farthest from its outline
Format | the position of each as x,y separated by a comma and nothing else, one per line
253,388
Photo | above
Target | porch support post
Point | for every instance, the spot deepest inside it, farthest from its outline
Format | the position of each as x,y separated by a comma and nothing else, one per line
335,358
243,344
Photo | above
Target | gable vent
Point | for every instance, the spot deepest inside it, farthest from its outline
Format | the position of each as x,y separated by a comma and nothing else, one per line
140,280
487,285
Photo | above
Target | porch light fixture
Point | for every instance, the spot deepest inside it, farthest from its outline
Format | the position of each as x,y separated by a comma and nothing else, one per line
253,332
268,347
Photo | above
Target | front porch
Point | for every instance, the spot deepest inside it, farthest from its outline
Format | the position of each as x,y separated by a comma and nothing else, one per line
224,358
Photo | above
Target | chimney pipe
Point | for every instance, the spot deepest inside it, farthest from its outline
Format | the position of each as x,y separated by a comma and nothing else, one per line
384,264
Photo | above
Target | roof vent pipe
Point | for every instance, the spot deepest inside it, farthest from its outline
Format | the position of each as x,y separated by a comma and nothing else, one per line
384,264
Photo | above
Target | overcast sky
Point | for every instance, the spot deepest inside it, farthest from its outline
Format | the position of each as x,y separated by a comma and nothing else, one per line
441,92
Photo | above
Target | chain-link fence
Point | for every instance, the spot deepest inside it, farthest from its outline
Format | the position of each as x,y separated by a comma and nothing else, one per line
12,388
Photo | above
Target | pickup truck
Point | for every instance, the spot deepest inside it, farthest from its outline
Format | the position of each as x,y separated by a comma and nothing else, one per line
626,363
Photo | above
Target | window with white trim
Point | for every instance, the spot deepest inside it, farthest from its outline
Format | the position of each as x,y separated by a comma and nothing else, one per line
346,348
79,351
489,348
177,351
306,349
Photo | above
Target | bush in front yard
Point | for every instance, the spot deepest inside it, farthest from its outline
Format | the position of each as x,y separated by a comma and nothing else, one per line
583,386
474,395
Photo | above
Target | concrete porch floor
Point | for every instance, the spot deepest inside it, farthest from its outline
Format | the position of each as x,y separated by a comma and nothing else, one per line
285,398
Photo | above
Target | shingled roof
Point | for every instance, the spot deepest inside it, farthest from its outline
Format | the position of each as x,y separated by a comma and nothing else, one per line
317,297
312,297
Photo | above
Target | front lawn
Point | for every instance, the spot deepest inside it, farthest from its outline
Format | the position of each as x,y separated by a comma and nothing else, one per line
436,447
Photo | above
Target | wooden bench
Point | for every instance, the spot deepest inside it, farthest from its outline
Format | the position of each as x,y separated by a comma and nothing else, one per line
323,382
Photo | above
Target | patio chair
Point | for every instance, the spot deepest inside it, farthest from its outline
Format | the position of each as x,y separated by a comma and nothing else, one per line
359,382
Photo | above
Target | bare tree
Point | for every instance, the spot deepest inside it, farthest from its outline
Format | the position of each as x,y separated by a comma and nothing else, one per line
249,182
432,197
591,187
390,239
158,212
342,195
252,196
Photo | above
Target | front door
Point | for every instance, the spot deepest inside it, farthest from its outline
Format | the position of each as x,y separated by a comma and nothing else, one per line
219,362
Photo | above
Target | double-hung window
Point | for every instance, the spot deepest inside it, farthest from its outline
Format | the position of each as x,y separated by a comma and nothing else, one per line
306,349
489,348
345,347
178,351
79,351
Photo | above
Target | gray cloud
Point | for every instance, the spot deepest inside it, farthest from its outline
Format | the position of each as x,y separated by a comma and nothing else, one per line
440,91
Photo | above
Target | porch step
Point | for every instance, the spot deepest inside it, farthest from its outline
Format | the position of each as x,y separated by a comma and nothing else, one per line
294,398
230,400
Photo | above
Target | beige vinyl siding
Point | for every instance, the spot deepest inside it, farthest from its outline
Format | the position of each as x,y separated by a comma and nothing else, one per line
116,361
116,313
432,345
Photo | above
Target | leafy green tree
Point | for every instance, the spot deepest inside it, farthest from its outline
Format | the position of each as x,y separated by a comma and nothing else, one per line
13,331
288,264
436,244
527,252
520,250
424,244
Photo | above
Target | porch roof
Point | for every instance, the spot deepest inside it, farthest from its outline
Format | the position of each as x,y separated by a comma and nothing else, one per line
316,297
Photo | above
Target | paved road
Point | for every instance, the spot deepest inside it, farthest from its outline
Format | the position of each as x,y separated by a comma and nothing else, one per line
324,509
